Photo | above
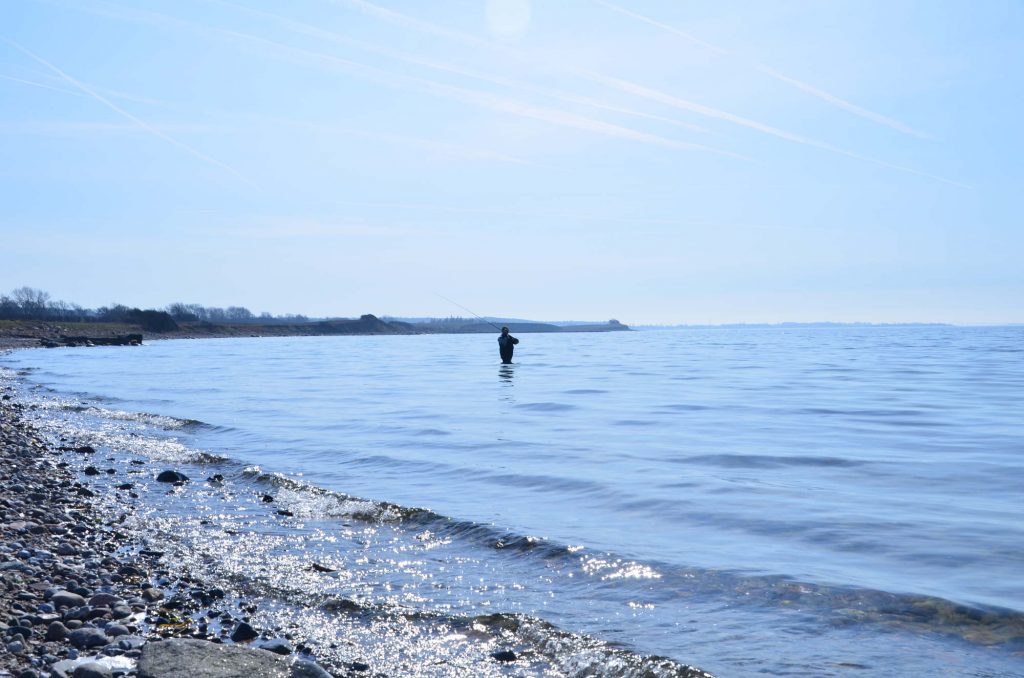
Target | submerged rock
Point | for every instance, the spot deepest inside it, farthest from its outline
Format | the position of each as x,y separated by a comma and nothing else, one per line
243,632
171,477
505,656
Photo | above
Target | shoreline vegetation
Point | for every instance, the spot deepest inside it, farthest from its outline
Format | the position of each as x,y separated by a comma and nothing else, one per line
51,334
28,317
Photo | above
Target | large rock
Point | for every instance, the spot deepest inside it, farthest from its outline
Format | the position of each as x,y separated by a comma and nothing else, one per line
187,658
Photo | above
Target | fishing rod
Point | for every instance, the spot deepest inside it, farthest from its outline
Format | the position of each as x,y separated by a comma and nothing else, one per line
470,310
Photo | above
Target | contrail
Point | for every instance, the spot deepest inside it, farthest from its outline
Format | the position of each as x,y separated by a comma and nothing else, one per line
489,101
110,93
683,104
626,86
117,109
799,84
407,82
316,32
41,85
842,103
441,147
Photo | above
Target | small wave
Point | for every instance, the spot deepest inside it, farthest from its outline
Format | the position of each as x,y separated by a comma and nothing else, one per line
584,391
432,432
546,407
684,407
580,655
765,461
633,422
161,421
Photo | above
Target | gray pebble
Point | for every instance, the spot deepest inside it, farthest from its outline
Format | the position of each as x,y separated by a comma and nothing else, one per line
56,631
115,630
104,600
67,599
92,670
87,637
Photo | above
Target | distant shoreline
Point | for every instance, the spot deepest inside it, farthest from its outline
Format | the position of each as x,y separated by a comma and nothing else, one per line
34,333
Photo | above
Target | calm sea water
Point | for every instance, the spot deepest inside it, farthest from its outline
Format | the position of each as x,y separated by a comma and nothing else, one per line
816,502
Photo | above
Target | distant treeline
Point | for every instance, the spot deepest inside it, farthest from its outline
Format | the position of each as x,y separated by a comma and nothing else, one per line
231,314
27,303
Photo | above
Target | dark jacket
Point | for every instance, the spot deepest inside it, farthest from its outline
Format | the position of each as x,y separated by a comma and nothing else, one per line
506,345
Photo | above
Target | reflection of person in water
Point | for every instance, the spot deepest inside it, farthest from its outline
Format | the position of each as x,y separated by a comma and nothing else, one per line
506,345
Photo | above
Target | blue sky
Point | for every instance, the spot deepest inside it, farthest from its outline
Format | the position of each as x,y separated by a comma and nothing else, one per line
658,162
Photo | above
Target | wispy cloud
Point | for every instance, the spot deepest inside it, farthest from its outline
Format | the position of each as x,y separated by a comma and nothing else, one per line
623,85
439,147
412,83
41,85
486,100
330,36
120,111
76,127
526,214
113,94
683,104
286,228
798,84
842,103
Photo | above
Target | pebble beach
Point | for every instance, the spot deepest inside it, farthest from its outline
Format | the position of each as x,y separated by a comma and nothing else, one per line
81,598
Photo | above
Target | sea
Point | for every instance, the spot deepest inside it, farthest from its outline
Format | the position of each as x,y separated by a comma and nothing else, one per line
774,501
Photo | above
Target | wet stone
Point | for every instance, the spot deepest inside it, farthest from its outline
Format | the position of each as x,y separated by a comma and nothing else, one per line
152,595
504,656
171,477
277,646
243,632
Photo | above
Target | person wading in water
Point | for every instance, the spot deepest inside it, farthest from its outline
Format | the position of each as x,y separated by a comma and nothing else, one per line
506,345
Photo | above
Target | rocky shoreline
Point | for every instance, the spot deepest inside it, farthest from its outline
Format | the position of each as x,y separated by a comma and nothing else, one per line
80,598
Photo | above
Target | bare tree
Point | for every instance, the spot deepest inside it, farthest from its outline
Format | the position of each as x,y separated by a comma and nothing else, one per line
185,312
238,314
31,301
9,308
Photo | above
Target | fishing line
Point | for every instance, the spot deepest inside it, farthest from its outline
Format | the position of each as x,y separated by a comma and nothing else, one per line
468,309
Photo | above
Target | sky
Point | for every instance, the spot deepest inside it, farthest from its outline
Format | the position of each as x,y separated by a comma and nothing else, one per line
653,161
